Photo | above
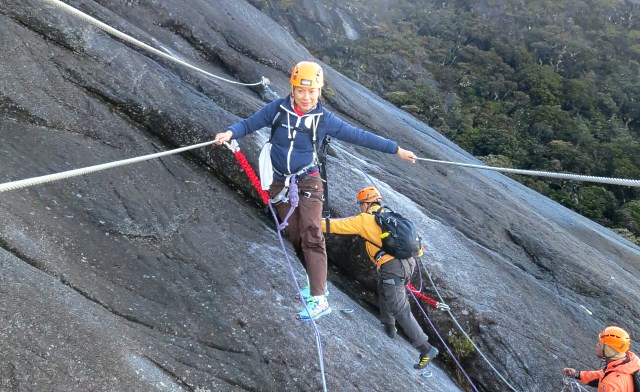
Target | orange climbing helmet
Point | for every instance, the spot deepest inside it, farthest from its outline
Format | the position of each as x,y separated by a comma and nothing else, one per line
616,338
307,74
369,194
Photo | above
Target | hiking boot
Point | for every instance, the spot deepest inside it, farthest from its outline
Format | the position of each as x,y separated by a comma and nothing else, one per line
390,330
316,307
306,293
426,359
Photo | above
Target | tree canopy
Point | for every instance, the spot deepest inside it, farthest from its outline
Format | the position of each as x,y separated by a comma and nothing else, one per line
543,85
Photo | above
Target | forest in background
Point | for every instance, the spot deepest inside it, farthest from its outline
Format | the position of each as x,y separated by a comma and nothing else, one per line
537,85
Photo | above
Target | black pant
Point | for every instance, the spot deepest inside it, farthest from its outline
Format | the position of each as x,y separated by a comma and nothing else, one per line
394,304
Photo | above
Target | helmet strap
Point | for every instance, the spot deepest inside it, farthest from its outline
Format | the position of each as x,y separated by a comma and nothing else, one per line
612,355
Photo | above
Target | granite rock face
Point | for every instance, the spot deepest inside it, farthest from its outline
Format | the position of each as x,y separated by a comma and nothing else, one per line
168,275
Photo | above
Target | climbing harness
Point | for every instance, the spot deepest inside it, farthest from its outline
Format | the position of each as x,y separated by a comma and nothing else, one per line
567,176
292,186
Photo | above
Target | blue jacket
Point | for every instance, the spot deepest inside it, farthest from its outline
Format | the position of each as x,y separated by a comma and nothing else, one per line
292,144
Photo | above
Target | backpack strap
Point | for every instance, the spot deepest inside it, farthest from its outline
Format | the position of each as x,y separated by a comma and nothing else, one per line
609,371
275,124
322,165
379,255
636,380
380,252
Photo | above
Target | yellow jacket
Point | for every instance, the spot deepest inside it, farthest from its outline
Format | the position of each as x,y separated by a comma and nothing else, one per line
364,225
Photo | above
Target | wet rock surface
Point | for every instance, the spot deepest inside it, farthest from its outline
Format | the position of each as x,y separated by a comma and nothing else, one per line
167,275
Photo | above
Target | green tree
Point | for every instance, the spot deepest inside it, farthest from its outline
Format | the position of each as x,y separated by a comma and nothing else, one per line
549,85
542,83
597,203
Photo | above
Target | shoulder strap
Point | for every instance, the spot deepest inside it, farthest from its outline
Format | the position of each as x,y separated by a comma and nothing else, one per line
322,166
276,121
614,369
380,252
636,380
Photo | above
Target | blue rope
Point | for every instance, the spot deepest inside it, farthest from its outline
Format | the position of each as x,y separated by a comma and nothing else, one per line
294,198
295,282
465,334
443,342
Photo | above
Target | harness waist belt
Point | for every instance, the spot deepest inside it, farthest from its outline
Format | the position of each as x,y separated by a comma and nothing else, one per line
302,173
308,195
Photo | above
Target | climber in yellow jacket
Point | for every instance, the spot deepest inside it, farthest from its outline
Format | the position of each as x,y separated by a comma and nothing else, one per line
392,273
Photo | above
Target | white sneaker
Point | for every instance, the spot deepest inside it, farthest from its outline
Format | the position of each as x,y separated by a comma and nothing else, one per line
316,307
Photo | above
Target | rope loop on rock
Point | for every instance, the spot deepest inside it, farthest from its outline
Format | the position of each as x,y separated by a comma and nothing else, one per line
116,33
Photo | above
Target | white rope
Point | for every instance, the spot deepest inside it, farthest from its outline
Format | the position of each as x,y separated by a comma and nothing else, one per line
568,176
572,385
90,169
464,332
104,27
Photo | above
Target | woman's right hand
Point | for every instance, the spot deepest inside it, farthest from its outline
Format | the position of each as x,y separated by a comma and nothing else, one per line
223,137
406,155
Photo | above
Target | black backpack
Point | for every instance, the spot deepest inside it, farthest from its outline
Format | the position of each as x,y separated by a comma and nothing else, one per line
399,235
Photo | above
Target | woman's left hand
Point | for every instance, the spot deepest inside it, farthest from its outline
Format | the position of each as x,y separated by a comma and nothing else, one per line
406,155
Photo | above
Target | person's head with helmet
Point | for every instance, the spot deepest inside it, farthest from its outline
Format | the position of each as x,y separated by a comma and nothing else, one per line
368,196
306,81
613,343
617,375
